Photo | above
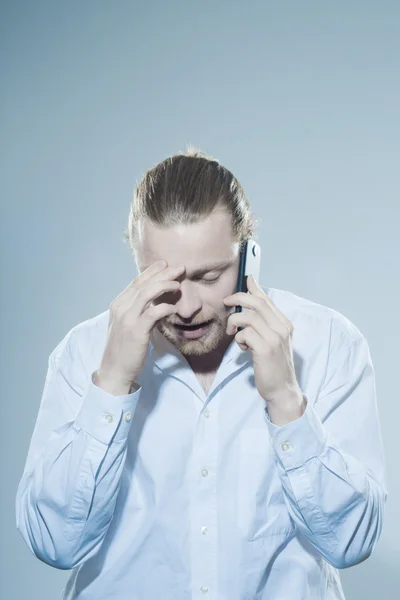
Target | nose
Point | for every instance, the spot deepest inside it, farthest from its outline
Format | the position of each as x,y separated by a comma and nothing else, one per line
188,303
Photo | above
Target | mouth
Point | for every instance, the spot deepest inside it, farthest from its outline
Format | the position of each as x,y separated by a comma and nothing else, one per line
193,331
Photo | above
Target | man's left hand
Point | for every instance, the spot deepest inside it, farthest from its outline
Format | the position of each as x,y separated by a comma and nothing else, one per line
268,334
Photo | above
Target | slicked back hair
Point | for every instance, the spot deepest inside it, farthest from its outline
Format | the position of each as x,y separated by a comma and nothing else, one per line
185,188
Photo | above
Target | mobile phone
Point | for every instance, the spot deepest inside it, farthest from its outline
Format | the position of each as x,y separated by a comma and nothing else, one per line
249,264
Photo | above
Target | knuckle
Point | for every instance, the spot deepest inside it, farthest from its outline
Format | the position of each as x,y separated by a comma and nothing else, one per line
114,306
160,285
140,293
151,311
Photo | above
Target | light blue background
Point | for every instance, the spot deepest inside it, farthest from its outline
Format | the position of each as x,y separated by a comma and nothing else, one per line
299,99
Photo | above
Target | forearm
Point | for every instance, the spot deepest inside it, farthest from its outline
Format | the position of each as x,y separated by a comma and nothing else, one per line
67,495
335,501
65,505
340,515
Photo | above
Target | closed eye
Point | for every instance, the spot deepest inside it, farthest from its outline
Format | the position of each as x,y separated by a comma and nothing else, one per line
208,281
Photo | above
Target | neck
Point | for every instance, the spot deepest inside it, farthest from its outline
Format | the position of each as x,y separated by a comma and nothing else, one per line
209,363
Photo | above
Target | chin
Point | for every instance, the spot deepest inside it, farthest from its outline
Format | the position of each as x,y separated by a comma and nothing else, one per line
195,347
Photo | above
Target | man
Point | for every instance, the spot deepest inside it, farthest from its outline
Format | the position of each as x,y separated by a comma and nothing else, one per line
177,458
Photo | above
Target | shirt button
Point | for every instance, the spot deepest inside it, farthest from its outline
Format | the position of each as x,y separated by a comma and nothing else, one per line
204,589
109,418
204,530
285,446
206,413
204,472
128,417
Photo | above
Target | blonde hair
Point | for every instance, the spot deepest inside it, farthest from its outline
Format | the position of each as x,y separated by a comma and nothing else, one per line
185,188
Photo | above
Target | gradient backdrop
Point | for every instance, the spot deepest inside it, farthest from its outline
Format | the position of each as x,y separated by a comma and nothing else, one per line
299,99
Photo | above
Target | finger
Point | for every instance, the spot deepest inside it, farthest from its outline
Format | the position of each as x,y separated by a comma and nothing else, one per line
158,270
259,305
158,274
249,338
155,312
140,298
152,273
256,321
257,290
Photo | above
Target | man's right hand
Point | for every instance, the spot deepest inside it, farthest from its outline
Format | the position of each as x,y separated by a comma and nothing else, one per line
132,317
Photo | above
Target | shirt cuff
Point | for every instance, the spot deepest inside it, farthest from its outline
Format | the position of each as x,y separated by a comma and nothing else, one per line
107,417
298,441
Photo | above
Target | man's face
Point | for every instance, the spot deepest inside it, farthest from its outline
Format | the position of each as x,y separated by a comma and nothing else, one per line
210,255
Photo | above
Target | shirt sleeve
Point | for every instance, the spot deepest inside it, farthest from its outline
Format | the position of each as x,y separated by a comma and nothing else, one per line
67,494
331,460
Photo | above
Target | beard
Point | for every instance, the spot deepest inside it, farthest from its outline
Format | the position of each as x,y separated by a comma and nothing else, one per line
213,339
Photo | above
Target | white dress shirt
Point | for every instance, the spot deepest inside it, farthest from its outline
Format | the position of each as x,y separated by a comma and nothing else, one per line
168,493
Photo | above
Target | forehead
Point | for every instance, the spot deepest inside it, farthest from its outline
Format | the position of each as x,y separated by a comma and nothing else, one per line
204,242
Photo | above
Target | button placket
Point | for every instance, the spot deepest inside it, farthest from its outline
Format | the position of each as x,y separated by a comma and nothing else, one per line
204,526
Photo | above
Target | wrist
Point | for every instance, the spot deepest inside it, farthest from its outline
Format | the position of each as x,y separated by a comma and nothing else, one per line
286,398
285,412
113,385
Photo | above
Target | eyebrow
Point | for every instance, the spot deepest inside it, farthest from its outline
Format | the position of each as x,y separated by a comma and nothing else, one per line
221,265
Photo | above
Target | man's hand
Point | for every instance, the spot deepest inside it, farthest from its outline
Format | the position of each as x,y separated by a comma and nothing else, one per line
132,317
268,334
